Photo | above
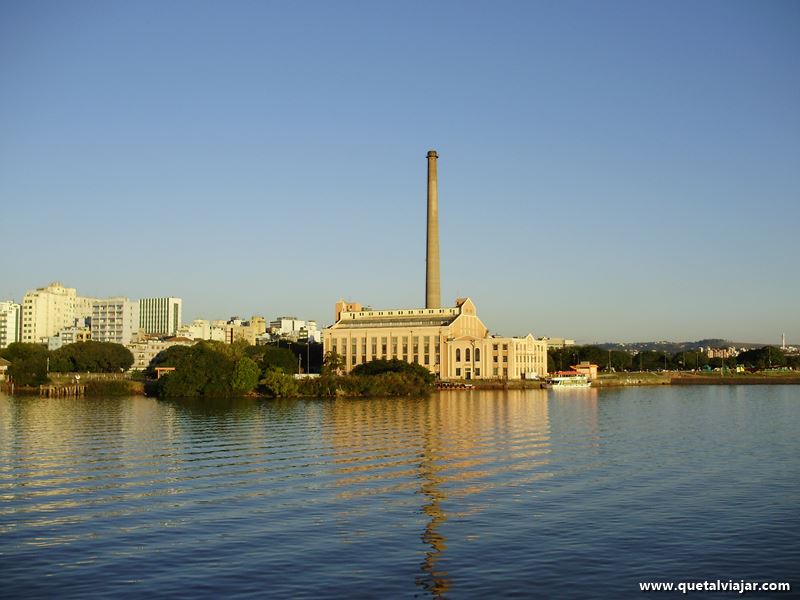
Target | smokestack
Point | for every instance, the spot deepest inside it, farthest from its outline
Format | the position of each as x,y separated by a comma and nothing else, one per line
432,285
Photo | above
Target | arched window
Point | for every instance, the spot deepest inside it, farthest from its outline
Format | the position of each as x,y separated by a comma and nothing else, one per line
458,354
466,354
477,354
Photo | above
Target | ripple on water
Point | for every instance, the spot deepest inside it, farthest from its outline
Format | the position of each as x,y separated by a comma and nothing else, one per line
513,493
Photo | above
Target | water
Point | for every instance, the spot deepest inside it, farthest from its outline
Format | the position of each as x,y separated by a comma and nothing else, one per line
579,493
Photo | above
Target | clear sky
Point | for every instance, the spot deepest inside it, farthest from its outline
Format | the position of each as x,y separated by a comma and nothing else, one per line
608,171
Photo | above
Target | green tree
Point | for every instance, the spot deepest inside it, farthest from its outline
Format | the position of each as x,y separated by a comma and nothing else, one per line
762,358
28,363
167,358
380,366
91,356
203,371
273,356
278,384
245,375
332,363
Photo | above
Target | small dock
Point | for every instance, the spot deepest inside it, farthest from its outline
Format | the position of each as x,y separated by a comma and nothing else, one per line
73,390
453,385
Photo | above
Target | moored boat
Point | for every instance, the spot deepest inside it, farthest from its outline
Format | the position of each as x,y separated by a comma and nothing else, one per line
564,381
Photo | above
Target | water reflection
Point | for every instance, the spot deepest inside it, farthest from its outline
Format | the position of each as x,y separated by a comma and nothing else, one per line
456,445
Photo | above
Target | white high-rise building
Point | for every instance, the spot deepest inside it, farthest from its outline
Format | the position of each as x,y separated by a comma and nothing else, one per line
115,320
10,323
160,316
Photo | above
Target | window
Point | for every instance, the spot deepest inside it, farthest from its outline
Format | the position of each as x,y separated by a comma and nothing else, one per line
383,347
458,358
458,372
505,358
466,355
477,354
494,371
494,359
477,372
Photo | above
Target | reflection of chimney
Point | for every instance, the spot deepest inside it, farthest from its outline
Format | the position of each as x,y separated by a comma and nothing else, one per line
432,296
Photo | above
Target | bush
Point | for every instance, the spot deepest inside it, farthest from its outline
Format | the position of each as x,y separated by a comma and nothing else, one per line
278,384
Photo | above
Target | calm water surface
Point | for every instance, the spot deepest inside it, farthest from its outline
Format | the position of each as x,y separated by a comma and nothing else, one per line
579,493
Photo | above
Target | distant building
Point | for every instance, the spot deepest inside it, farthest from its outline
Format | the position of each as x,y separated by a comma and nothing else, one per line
730,352
295,329
4,364
47,310
586,368
452,343
558,342
248,331
115,320
145,350
10,323
160,316
69,335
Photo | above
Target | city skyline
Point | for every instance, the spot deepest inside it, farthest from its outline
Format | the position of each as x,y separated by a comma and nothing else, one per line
618,172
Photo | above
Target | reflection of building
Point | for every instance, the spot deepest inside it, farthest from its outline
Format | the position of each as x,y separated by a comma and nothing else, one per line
450,342
453,453
160,316
10,323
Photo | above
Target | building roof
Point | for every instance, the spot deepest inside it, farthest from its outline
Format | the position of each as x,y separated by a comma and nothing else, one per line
397,321
4,362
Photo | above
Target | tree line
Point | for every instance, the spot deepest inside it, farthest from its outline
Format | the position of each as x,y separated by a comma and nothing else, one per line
31,363
561,359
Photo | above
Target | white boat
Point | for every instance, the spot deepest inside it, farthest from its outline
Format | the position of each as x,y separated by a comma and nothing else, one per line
560,382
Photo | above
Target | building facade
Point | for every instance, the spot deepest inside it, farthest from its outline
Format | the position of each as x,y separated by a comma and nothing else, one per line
145,350
47,310
69,335
10,323
160,316
115,320
453,343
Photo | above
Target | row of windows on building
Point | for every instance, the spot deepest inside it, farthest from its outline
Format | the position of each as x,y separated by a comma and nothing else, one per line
399,348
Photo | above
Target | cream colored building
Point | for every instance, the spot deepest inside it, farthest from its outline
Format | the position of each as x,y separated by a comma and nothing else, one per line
145,350
236,329
453,343
47,310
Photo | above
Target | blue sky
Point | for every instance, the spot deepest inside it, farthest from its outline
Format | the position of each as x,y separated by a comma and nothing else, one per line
608,171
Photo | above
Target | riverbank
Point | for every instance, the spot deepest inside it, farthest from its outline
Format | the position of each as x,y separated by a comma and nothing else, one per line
683,378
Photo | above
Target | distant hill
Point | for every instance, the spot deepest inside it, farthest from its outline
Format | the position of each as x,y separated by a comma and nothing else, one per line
667,346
